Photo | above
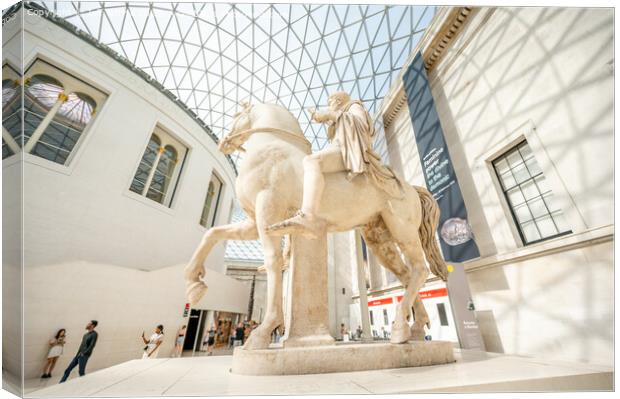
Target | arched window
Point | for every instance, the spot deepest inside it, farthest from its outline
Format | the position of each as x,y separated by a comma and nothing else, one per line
146,164
57,109
64,130
163,174
11,116
212,200
159,168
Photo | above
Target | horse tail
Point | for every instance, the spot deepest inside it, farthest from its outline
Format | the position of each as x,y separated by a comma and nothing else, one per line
428,227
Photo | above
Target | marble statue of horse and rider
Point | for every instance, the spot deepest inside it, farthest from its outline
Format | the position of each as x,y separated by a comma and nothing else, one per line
285,189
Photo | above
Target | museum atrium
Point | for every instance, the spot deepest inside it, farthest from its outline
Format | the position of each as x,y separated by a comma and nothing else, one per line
114,114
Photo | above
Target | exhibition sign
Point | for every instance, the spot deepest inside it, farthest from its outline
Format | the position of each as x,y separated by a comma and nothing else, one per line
457,240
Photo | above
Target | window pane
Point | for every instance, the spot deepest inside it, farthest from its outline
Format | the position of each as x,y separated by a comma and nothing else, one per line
520,173
533,167
530,190
59,140
76,111
542,184
552,204
546,226
560,221
515,196
6,151
537,207
526,151
207,205
137,186
530,232
13,125
507,180
44,91
522,213
502,166
50,152
514,159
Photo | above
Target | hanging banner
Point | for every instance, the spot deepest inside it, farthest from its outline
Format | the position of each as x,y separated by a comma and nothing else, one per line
457,239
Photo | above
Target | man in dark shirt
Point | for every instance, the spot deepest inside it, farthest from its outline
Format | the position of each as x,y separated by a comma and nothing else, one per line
84,351
239,333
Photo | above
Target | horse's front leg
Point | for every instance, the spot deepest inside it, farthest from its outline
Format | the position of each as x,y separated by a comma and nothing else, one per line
195,270
268,211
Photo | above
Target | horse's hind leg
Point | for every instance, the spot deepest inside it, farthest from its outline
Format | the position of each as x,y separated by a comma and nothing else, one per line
421,319
195,270
409,243
268,211
381,242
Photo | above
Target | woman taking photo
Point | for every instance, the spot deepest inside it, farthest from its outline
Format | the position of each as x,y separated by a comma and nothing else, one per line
56,346
153,343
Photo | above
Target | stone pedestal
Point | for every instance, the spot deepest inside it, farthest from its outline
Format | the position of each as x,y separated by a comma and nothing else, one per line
341,358
307,322
307,346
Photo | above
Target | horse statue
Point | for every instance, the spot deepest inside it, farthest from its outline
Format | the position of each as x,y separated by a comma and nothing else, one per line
269,189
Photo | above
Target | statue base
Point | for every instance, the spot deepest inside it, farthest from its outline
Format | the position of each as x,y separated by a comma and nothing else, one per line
340,358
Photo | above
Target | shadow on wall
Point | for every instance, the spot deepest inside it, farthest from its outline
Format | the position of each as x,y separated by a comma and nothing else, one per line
547,65
513,95
488,329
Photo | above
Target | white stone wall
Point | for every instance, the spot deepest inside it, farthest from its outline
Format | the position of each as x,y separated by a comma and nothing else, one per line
12,243
124,301
93,249
545,75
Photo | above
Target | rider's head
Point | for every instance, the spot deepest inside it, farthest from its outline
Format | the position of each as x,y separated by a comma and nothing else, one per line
338,100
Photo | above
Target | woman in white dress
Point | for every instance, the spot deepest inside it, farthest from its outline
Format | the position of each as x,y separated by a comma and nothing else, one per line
153,343
56,347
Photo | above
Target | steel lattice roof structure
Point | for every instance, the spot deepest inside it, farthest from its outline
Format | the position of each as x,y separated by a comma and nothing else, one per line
212,56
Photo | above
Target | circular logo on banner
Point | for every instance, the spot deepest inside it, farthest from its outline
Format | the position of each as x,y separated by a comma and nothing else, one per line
456,231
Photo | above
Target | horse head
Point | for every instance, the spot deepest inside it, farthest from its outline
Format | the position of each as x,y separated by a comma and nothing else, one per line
242,121
262,118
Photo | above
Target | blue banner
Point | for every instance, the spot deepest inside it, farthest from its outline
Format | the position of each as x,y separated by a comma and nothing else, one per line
456,236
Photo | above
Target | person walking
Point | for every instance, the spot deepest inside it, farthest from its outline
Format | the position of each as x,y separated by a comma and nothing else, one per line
211,341
84,351
56,348
231,336
153,343
239,334
178,345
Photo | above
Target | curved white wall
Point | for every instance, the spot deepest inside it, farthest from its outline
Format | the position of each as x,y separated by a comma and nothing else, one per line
92,248
85,211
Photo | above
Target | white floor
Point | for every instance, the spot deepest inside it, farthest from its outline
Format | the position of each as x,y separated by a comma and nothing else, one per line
473,372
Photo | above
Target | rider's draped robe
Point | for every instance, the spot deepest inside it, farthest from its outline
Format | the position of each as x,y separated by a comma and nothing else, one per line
353,132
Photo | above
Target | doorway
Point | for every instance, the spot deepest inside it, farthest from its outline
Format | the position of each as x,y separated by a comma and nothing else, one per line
195,327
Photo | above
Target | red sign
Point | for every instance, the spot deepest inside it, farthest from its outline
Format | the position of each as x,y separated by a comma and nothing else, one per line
428,294
378,302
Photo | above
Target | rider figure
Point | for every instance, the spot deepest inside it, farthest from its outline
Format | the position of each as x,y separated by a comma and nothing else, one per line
350,131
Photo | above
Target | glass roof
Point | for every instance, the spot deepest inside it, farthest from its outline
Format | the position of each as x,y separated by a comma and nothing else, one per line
245,250
212,56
